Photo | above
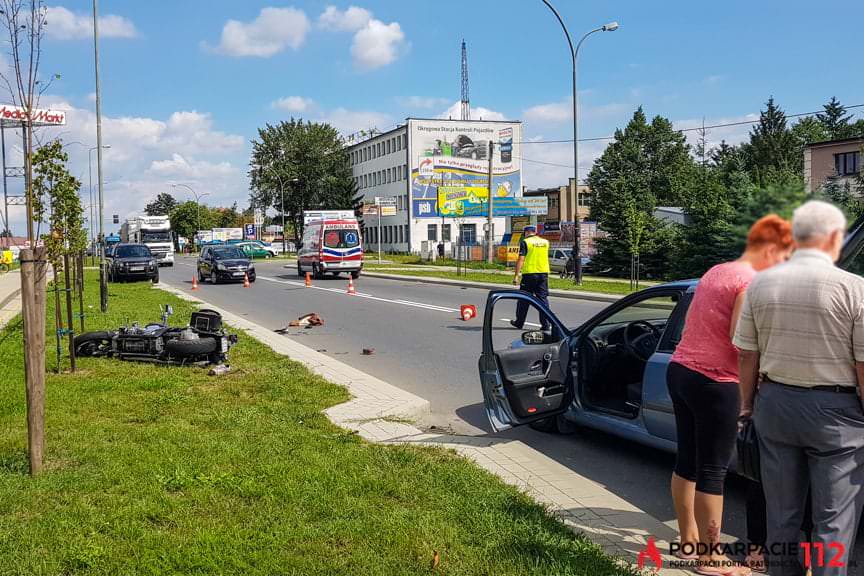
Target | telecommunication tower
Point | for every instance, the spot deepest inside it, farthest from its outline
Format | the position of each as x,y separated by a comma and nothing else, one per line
466,107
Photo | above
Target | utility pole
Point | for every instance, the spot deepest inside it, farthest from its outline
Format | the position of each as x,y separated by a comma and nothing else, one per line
490,236
103,280
6,227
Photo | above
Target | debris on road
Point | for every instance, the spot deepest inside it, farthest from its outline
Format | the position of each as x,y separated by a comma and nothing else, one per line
305,321
468,311
219,370
368,351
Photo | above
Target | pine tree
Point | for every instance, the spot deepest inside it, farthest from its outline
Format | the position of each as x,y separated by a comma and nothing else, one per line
647,165
773,151
835,120
161,206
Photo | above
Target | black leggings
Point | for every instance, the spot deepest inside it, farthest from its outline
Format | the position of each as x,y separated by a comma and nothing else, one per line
706,419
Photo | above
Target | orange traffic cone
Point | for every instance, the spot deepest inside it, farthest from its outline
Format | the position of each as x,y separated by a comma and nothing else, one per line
351,290
194,282
468,311
246,283
308,279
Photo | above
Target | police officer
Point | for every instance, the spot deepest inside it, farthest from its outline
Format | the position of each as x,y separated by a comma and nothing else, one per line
532,274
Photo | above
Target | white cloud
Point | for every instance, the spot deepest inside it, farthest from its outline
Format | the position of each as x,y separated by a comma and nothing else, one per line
548,165
179,167
350,20
293,104
274,30
350,121
146,156
563,111
63,24
476,113
422,102
377,45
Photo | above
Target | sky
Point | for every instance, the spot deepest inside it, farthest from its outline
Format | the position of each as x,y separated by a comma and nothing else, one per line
186,85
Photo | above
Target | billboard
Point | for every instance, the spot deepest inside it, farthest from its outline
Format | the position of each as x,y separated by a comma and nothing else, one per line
453,155
473,201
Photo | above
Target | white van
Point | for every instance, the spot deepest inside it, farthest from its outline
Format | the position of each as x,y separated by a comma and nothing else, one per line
331,246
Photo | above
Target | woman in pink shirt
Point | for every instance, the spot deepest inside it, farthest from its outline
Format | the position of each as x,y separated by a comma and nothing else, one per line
703,384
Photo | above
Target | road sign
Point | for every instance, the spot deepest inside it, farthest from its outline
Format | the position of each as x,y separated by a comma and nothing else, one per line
249,230
387,204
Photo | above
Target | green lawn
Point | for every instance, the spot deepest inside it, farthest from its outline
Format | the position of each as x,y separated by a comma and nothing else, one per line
157,470
588,285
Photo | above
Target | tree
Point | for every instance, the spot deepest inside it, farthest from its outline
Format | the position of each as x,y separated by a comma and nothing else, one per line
773,151
809,130
187,218
834,120
55,191
709,236
226,217
162,205
306,162
645,166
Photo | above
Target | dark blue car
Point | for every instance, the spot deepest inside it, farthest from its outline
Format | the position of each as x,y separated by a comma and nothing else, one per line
608,374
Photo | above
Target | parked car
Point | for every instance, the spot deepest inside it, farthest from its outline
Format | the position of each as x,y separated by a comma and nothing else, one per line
256,249
558,258
223,263
132,262
608,374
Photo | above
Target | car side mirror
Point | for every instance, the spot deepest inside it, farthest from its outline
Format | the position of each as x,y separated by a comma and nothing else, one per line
533,337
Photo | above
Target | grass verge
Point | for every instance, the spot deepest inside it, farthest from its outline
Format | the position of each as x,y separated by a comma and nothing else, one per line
588,285
164,470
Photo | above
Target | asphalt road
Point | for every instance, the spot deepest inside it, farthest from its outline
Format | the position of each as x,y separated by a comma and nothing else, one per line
422,346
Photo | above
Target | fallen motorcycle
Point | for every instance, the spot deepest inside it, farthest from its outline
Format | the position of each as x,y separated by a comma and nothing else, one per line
203,342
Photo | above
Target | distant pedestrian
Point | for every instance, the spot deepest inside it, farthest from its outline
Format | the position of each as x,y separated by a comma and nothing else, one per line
703,384
802,329
440,249
532,274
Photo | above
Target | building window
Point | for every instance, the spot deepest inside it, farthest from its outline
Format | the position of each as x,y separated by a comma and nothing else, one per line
398,143
405,170
468,233
432,232
388,147
389,176
445,232
847,163
405,140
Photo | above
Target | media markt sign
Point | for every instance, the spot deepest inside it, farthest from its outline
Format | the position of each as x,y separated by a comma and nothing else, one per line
18,114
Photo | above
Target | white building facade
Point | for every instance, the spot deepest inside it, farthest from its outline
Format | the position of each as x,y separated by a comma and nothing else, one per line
437,171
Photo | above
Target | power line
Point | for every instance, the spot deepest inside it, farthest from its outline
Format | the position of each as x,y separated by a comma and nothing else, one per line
697,129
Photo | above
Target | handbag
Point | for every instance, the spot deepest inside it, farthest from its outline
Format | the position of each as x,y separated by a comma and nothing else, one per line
748,451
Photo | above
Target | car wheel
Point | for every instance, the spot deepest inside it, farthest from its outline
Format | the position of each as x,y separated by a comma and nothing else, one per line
316,272
156,278
185,348
213,279
554,425
200,276
355,275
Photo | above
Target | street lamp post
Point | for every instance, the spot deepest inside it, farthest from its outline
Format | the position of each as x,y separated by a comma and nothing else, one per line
92,207
197,203
574,54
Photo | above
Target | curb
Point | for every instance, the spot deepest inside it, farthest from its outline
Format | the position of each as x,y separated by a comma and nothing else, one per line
557,293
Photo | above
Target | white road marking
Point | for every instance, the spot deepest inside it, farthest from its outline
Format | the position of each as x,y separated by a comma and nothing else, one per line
433,307
526,323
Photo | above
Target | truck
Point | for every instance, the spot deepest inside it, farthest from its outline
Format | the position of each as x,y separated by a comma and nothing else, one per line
154,232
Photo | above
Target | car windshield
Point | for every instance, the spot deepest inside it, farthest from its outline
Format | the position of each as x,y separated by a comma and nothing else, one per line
156,236
341,238
132,252
227,253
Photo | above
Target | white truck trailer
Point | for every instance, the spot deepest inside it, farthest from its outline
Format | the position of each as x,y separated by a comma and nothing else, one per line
153,231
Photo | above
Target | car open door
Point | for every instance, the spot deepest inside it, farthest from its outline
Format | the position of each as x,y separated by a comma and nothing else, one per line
526,374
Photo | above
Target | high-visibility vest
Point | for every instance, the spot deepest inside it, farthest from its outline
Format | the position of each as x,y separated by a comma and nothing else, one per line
537,258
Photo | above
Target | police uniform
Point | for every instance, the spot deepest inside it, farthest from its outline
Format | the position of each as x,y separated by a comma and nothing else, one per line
535,276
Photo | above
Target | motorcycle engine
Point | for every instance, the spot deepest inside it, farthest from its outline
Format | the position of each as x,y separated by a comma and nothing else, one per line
188,334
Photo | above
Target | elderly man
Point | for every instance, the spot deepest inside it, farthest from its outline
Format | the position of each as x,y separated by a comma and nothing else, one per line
802,328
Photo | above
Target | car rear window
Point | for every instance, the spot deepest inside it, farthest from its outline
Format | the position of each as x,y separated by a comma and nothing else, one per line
227,253
132,252
341,238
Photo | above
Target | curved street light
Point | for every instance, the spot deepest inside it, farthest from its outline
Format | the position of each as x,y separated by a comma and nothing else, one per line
92,205
197,202
574,55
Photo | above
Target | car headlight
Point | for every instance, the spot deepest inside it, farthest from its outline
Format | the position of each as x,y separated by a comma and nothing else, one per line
220,267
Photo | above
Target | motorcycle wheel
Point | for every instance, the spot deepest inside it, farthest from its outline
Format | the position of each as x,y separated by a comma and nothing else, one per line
186,348
93,344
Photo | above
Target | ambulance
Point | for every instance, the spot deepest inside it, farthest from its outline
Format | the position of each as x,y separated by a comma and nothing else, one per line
331,245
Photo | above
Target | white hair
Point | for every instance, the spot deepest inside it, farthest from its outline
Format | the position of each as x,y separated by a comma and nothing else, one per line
816,219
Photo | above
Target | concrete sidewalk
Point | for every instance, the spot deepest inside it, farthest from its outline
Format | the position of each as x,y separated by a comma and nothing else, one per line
383,413
10,296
